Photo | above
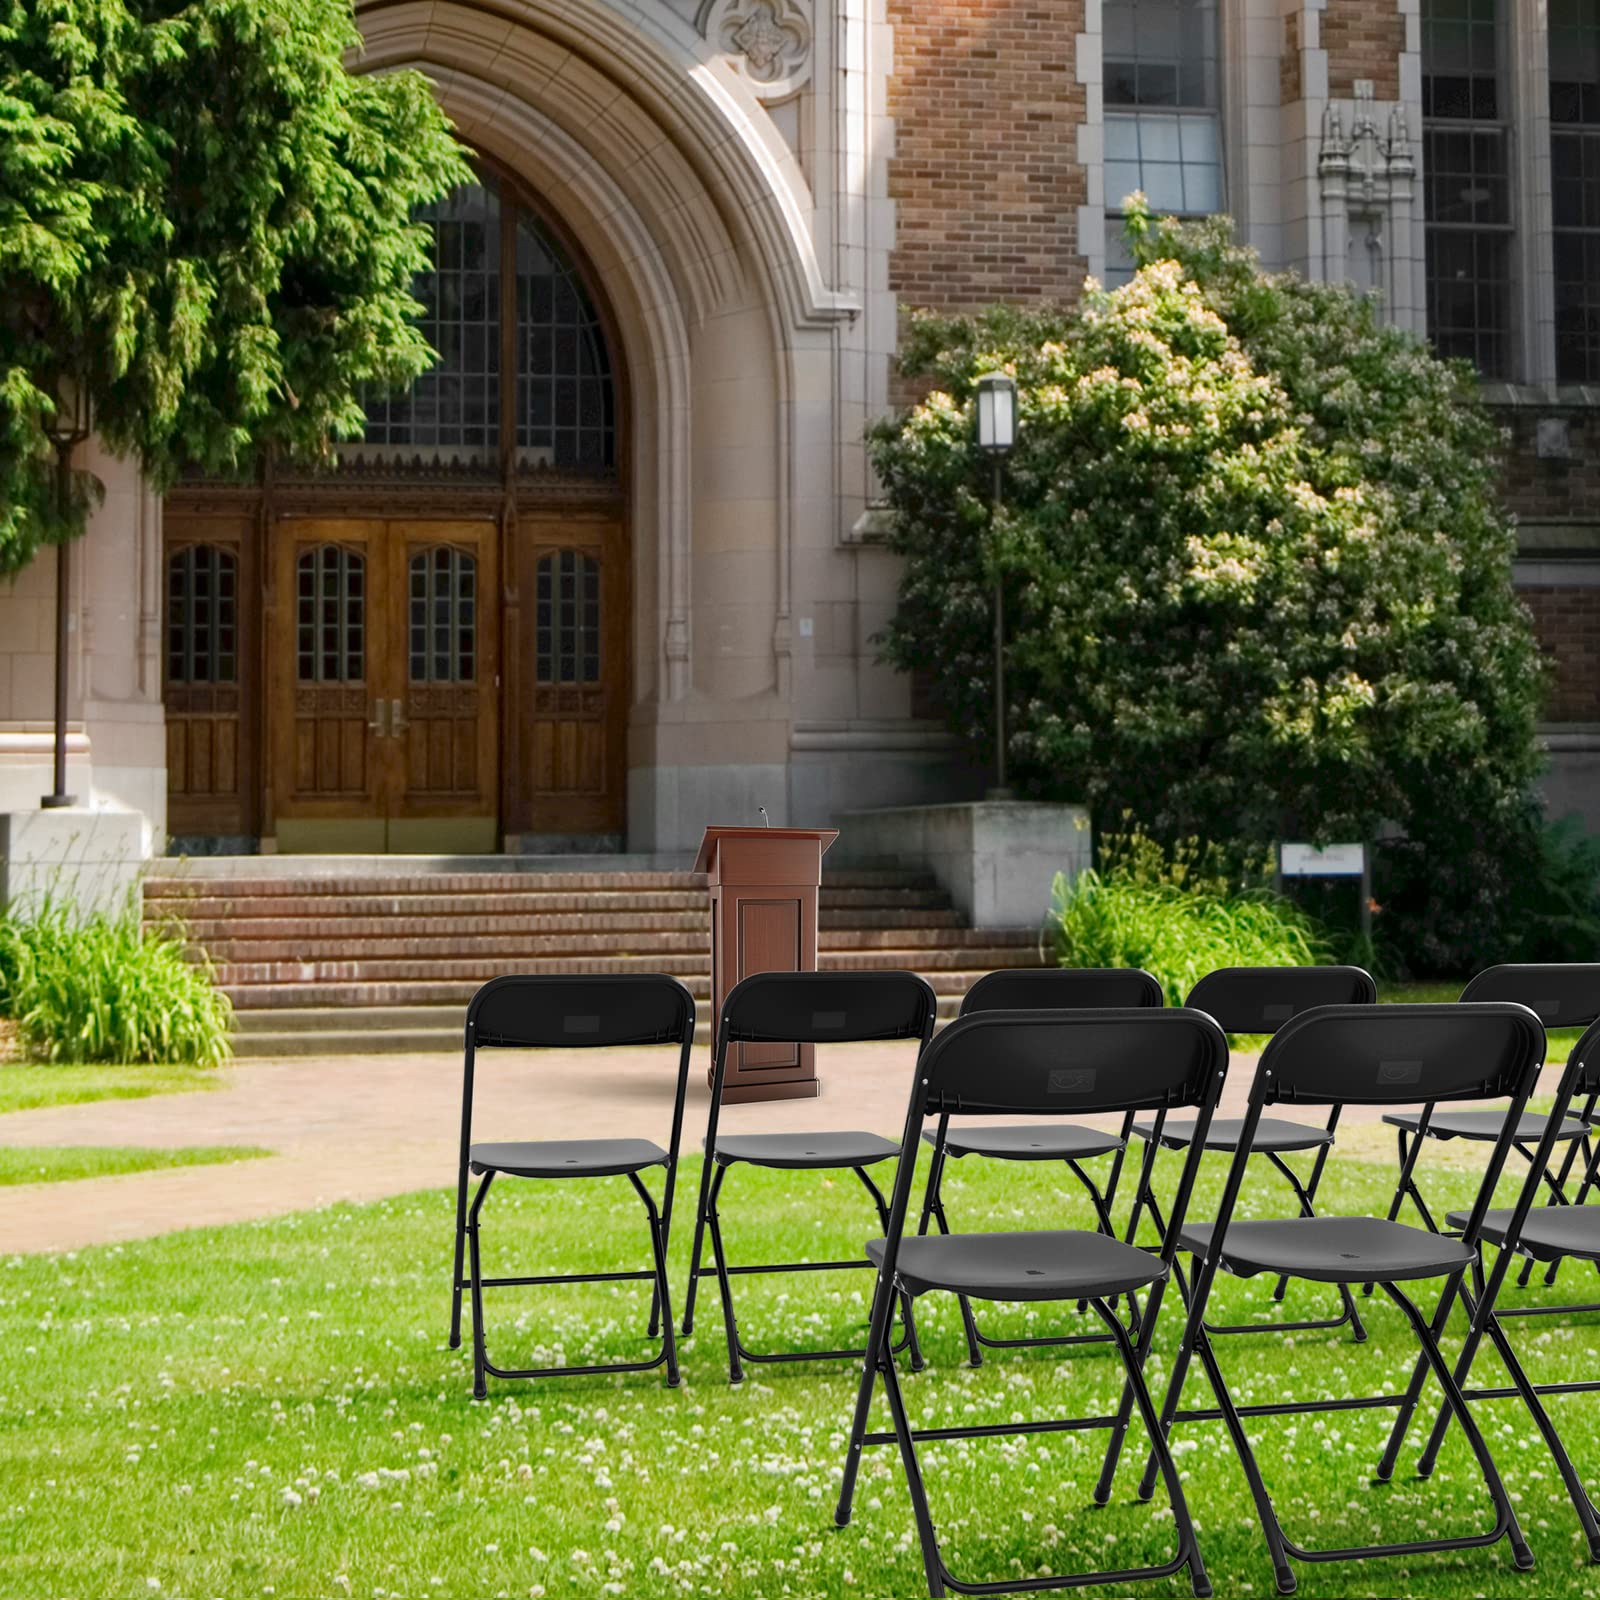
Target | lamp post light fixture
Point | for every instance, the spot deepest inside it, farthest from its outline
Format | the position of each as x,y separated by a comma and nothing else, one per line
68,429
997,434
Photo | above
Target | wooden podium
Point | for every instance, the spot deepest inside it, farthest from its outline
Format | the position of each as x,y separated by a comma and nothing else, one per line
763,884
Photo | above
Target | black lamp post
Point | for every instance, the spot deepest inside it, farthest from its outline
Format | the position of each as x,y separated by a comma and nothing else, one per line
68,429
997,433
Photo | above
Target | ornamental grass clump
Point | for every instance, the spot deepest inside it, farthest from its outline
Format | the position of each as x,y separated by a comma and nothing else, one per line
1177,913
102,987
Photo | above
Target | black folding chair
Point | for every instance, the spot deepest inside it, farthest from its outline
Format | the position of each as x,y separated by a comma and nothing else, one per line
1038,989
1040,1064
1361,1055
800,1008
1261,1000
567,1013
1544,1234
1561,996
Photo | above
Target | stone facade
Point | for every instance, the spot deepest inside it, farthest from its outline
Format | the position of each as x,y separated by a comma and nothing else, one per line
759,190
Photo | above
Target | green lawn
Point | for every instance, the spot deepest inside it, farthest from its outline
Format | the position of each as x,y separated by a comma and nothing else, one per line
61,1163
26,1085
270,1409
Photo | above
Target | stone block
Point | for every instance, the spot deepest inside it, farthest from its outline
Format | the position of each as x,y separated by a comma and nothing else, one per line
997,859
92,858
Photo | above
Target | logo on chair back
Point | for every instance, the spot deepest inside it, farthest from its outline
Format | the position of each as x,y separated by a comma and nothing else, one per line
1276,1013
580,1024
1545,1010
1399,1072
828,1021
1073,1080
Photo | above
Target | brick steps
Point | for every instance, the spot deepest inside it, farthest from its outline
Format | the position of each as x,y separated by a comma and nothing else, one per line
384,957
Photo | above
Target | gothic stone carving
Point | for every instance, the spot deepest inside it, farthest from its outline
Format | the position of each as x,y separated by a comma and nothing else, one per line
767,42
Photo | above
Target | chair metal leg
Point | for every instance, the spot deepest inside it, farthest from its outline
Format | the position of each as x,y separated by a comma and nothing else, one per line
724,1283
480,1359
932,1565
933,1205
661,1296
699,1242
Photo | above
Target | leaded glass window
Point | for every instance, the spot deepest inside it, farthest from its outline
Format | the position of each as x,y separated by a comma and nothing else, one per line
567,618
1163,132
455,404
202,615
561,389
444,616
1467,198
1575,185
330,615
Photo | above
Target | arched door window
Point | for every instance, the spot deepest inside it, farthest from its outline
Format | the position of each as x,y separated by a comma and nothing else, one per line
567,621
330,615
559,393
202,615
443,622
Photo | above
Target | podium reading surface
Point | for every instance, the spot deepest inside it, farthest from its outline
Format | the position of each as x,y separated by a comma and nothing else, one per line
764,885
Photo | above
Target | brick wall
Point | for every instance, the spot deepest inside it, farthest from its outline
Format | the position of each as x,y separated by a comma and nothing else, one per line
1568,624
1289,89
1553,489
1364,39
985,176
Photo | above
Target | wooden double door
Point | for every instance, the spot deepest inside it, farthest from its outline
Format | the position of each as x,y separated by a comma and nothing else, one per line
384,687
376,684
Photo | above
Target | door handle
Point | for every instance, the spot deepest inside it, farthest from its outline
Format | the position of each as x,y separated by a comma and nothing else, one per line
398,722
379,726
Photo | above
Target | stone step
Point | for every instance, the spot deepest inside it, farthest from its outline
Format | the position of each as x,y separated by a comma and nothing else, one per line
187,887
212,931
394,1030
449,944
320,907
241,975
339,998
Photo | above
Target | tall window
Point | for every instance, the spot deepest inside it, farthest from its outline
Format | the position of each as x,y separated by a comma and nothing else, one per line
202,615
1465,119
1162,128
1575,185
559,396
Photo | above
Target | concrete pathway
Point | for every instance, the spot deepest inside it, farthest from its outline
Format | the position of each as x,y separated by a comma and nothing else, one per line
362,1127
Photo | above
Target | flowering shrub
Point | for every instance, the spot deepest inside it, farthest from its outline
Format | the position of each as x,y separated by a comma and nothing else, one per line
1257,584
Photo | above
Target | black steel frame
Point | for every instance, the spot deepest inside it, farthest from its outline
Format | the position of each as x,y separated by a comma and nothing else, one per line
1485,1317
1133,1346
1498,983
1305,1192
933,1208
708,1219
1196,1342
1055,984
659,1219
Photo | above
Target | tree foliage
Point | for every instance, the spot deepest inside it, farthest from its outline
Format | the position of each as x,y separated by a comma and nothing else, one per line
1257,580
206,218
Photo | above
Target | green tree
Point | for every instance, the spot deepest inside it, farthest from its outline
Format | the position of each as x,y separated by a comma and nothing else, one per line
205,219
1258,584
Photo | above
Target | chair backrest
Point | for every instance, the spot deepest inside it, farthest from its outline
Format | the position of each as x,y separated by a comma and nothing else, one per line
1398,1055
1041,1063
1262,999
533,1011
1061,989
828,1007
1559,995
1046,1063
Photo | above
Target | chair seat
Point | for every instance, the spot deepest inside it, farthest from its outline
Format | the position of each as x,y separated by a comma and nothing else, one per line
1272,1133
797,1151
568,1158
1051,1141
1484,1126
1549,1232
1059,1264
1331,1249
